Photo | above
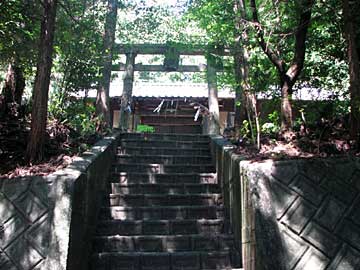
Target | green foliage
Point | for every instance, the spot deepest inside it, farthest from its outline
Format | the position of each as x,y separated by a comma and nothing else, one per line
77,114
140,22
19,32
245,130
326,66
216,18
145,129
79,46
273,126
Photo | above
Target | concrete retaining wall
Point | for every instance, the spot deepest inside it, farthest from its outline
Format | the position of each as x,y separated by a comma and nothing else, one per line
296,214
47,222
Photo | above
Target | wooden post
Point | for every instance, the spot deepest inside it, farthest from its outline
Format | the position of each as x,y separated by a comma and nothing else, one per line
126,98
214,117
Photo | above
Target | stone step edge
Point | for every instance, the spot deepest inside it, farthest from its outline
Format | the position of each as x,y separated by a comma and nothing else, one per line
156,236
163,207
166,184
162,148
107,255
201,174
164,195
146,145
139,253
160,164
161,156
164,134
162,141
203,220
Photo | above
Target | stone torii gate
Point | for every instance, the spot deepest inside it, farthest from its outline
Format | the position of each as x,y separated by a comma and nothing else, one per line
172,54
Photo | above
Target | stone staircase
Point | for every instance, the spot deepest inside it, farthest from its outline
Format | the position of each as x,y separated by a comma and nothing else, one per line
164,209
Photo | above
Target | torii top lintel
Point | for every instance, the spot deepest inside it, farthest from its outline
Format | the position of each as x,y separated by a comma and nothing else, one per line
182,49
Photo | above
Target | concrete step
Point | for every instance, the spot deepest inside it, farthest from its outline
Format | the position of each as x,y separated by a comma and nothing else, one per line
161,212
165,137
127,178
163,243
136,150
160,168
166,260
163,199
161,143
119,188
162,227
163,159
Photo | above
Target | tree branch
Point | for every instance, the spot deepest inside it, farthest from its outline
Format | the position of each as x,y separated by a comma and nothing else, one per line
274,58
67,10
300,38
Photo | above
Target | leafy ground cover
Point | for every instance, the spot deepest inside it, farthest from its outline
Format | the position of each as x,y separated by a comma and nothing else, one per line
63,143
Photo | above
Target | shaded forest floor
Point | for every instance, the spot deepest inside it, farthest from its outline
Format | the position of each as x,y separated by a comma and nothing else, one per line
325,139
329,139
62,145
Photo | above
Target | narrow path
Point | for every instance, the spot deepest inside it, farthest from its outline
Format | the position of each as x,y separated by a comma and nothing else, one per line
164,209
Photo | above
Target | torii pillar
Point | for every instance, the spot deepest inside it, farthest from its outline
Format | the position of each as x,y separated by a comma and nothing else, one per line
213,121
126,98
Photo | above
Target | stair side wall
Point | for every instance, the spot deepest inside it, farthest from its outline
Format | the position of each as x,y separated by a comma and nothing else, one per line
292,214
47,222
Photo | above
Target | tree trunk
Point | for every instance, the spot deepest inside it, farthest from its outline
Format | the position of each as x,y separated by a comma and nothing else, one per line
241,58
10,99
34,151
103,93
240,95
354,71
286,108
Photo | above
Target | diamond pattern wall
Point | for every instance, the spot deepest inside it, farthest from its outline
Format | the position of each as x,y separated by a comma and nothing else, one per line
25,223
306,213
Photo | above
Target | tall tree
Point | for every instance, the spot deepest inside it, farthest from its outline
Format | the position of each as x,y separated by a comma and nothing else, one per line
288,72
35,148
103,96
241,64
243,94
354,68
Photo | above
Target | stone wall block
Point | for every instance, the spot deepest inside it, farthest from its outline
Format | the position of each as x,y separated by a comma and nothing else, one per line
347,258
330,213
322,239
27,259
342,191
314,260
307,190
282,197
313,169
284,171
298,215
